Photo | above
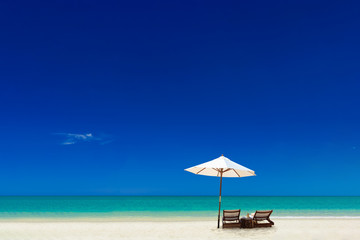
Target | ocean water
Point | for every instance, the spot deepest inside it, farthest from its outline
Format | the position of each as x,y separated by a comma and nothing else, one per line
164,207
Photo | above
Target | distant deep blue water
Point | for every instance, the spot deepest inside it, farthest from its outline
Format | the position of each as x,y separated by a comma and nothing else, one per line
172,206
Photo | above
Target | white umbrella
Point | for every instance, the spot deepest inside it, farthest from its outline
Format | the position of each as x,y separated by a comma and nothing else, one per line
221,167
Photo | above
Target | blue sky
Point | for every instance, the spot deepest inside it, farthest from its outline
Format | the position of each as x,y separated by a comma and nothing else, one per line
101,97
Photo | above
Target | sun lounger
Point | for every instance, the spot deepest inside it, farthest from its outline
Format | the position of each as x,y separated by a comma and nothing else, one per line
260,216
231,218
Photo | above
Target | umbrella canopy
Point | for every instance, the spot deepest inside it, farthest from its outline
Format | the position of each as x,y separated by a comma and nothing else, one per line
224,165
221,167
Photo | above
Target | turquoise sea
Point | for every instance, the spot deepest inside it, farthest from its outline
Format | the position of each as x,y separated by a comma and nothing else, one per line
162,207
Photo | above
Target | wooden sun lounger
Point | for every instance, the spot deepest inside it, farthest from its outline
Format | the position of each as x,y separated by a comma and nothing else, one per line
231,218
261,216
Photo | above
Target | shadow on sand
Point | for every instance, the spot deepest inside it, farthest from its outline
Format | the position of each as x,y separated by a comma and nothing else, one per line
245,233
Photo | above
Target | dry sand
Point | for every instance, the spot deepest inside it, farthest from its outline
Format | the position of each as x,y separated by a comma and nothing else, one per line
284,229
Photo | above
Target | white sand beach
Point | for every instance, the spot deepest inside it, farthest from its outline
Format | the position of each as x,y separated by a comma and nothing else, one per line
105,230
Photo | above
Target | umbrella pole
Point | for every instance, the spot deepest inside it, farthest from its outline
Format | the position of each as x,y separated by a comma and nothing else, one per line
221,173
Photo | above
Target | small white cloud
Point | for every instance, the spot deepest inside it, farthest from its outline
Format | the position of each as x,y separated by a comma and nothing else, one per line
73,138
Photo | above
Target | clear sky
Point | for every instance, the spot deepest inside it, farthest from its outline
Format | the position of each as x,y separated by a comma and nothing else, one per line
101,97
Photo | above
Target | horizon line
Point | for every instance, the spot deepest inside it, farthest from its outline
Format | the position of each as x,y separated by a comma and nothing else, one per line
118,195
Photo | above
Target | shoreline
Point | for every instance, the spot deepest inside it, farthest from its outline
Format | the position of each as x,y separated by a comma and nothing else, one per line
156,219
